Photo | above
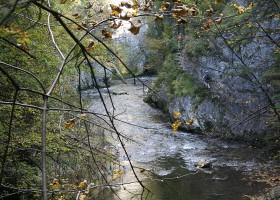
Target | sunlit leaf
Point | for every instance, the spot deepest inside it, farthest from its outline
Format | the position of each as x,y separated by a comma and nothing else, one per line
218,1
70,123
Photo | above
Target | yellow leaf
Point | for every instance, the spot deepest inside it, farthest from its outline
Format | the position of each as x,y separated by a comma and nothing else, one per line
218,1
176,125
70,123
176,114
106,34
136,5
83,184
116,10
164,6
55,184
191,121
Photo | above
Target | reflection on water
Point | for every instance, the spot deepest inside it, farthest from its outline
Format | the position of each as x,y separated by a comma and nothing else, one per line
169,158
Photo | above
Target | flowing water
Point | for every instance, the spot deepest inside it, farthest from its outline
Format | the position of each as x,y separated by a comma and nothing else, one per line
168,158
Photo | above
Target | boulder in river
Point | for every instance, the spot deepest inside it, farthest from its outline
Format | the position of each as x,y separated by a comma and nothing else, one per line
203,164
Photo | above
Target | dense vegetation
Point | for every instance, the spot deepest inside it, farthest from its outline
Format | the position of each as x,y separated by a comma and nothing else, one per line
51,142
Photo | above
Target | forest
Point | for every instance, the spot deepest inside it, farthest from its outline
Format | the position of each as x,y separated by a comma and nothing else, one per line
139,99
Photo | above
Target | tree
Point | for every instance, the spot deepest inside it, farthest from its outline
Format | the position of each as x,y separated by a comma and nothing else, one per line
45,47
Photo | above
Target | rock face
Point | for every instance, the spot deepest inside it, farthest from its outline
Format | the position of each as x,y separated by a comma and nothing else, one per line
241,103
103,77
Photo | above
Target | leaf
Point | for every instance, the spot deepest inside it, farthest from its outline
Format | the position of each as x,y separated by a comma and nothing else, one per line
176,114
125,15
207,25
135,5
182,21
250,24
88,5
90,47
55,184
210,10
83,115
115,24
62,1
218,1
158,17
126,4
180,11
76,15
116,10
70,123
135,28
220,19
106,34
193,11
164,6
176,125
83,184
23,46
191,121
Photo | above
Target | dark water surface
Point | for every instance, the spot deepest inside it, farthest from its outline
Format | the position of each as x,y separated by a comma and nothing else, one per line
169,157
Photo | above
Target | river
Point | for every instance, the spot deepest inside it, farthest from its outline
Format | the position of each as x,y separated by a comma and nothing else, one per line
169,158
